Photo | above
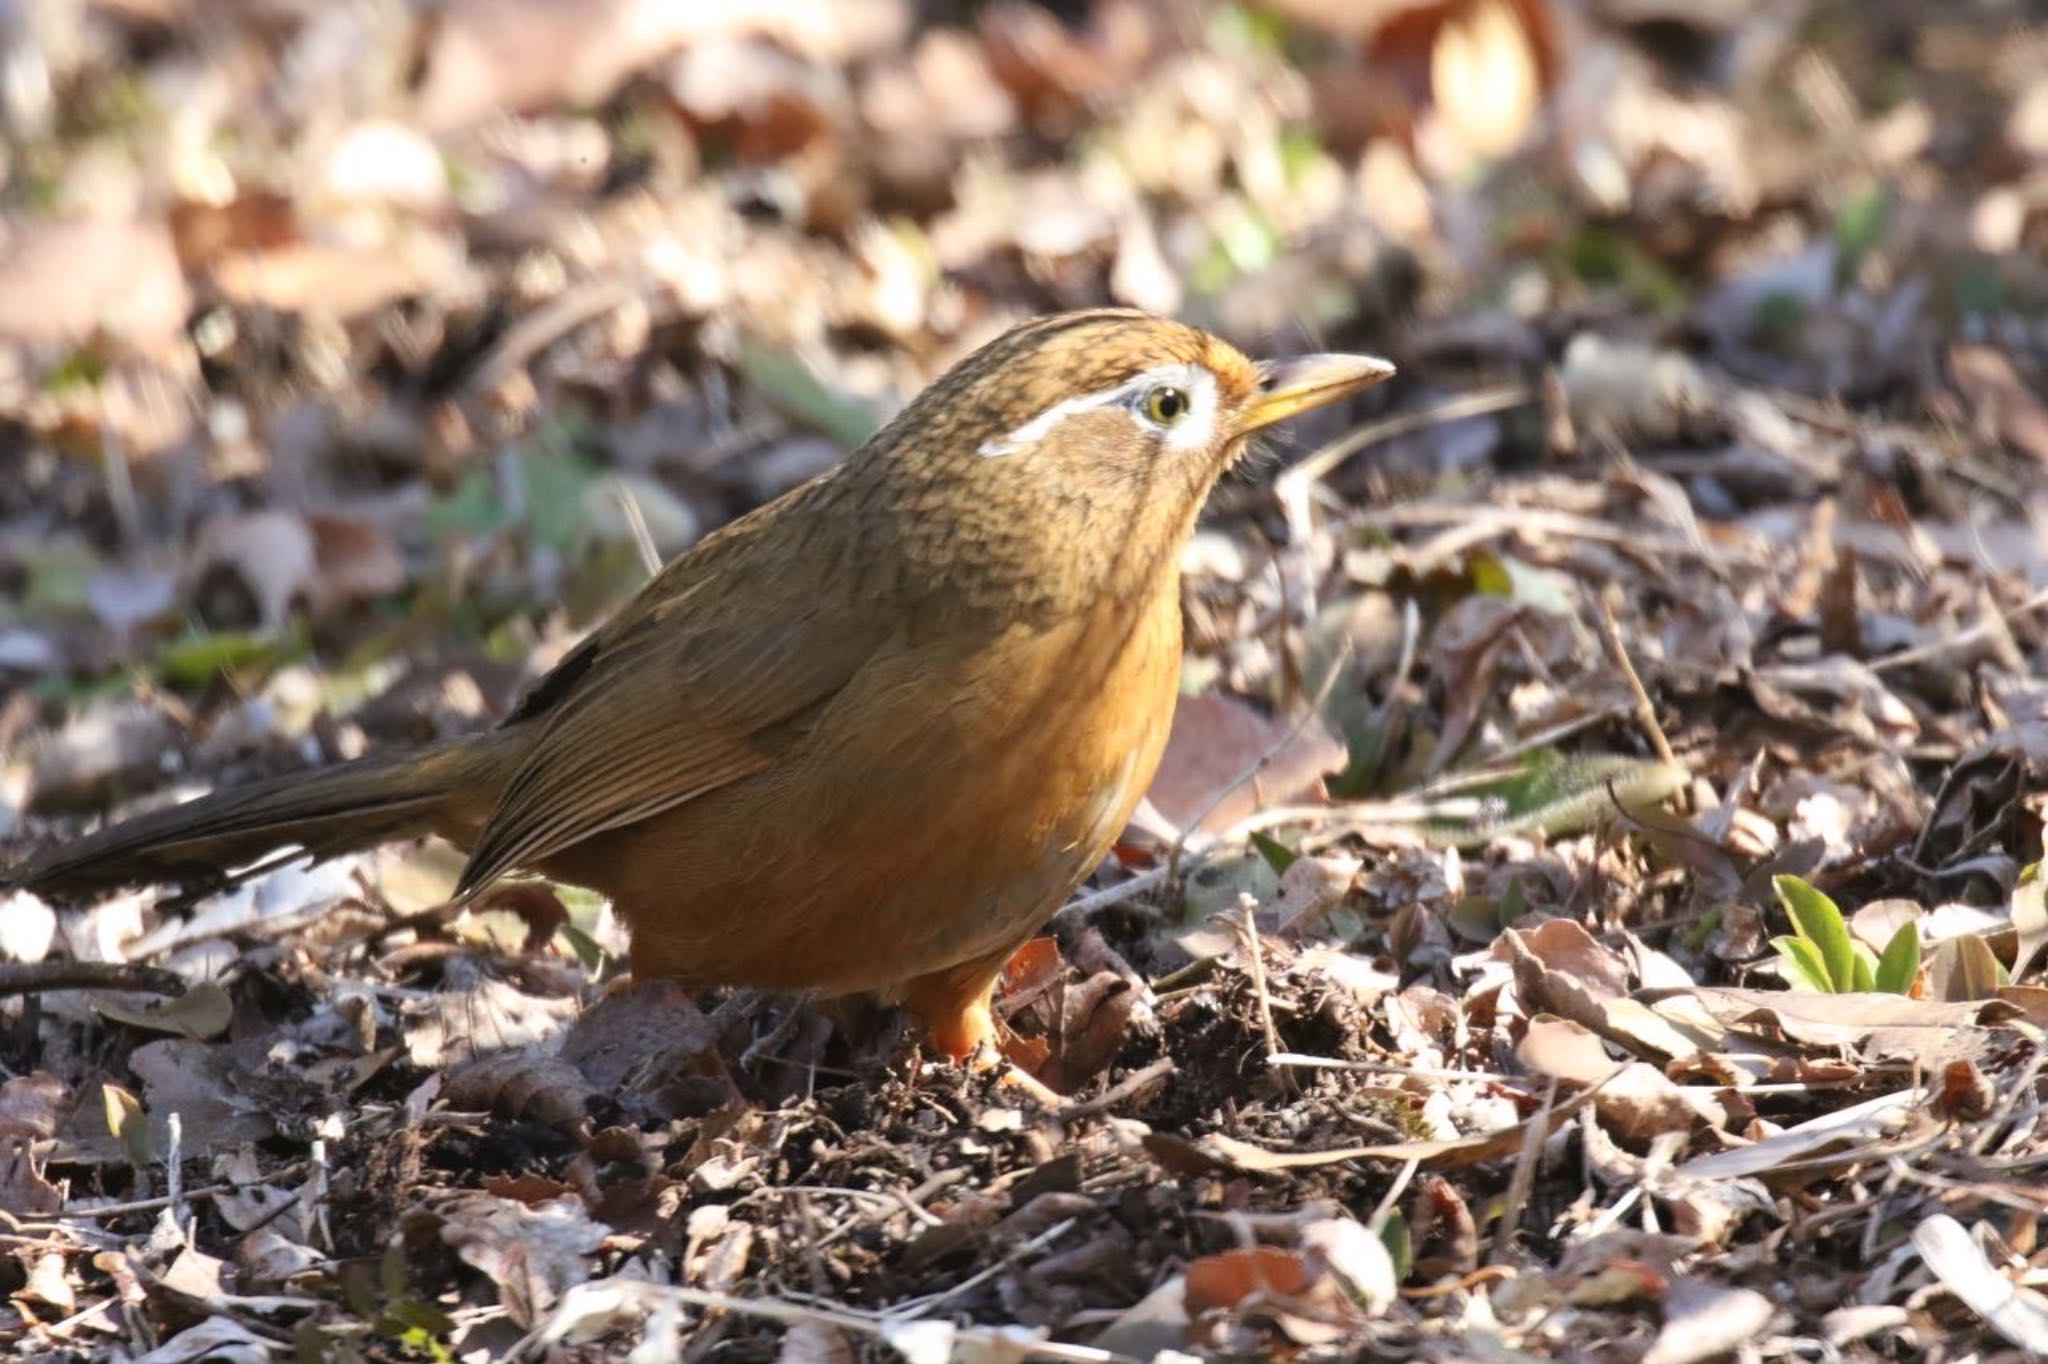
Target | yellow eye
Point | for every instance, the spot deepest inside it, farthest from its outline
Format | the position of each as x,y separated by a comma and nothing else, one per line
1166,404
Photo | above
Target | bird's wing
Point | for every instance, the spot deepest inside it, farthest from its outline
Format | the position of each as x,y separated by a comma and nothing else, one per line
697,684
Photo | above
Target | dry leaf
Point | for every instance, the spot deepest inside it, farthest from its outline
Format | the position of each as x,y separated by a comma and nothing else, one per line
203,1011
1953,1255
1704,1320
1851,1128
1225,1280
1207,772
533,1254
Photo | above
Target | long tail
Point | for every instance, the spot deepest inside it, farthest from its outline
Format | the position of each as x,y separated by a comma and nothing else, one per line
333,810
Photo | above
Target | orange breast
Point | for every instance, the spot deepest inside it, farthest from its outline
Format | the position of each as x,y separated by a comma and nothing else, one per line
942,807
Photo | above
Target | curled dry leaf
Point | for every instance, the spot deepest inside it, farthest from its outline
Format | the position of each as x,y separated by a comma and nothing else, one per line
1932,1031
532,1253
1227,1279
215,1340
522,1084
23,1189
1844,1131
1703,1320
1954,1256
651,1049
30,1105
2002,404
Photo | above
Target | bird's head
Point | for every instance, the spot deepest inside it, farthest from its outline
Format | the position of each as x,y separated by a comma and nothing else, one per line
1117,396
1085,442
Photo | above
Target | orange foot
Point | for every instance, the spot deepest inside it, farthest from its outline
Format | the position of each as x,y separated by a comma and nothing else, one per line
957,1008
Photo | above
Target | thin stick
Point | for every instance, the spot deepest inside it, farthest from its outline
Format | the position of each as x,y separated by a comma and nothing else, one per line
545,325
1301,1061
1249,907
1112,895
35,977
1123,1089
1523,1182
1321,463
636,522
1646,713
1486,522
571,1310
107,1210
1378,1221
1960,639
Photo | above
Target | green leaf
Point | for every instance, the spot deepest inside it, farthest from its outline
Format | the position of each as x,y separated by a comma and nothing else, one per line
1802,964
583,945
127,1123
800,392
1277,854
1558,796
556,474
1394,1234
2029,915
471,508
1820,922
1859,225
1900,964
1863,969
195,660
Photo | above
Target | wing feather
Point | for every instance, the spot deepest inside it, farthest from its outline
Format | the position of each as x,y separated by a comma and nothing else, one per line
687,690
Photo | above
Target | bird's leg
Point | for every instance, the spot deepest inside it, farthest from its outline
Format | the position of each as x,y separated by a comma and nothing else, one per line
956,1005
957,1008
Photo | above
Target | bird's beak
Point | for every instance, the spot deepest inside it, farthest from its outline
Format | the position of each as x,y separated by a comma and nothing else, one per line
1297,385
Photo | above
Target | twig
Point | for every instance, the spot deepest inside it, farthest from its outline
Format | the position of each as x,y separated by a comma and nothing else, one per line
1646,713
1378,1221
1130,1085
1484,523
1523,1182
564,313
1249,908
1961,639
35,977
1079,909
1300,1061
576,1306
1322,462
1411,637
920,1307
636,522
109,1210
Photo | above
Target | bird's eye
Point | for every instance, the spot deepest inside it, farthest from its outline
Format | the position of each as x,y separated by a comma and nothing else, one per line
1166,404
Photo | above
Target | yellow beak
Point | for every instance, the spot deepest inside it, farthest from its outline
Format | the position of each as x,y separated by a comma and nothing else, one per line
1309,381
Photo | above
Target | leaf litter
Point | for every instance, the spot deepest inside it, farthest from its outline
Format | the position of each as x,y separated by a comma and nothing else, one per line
1592,906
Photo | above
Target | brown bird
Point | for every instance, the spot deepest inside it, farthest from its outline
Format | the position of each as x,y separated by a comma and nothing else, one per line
864,739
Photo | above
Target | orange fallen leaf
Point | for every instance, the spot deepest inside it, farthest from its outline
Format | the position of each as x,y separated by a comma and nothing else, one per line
1227,1279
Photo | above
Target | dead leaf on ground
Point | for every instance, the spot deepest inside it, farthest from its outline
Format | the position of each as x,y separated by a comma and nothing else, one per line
1704,1320
532,1253
1203,784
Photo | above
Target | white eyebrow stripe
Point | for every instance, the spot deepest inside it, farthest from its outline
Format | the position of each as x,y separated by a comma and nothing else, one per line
1201,386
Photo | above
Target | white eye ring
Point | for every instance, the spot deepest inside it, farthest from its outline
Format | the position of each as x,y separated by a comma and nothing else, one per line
1193,387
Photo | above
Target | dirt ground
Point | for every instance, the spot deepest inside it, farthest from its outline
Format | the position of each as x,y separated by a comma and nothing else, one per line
1592,904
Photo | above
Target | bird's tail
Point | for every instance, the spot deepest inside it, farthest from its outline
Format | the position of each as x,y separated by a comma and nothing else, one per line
201,843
